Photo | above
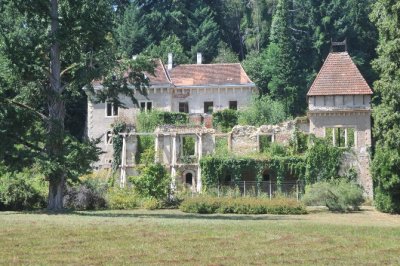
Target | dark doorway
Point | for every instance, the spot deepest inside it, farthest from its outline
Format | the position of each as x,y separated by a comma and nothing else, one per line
189,178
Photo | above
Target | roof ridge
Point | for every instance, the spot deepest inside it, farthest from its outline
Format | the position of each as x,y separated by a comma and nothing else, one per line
165,72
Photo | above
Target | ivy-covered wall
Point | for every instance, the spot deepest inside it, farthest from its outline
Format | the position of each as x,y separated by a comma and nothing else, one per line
216,169
318,161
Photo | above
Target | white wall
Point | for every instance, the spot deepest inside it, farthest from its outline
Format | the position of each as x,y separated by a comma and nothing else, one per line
339,102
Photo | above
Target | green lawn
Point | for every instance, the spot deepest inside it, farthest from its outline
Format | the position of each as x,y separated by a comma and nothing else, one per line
172,237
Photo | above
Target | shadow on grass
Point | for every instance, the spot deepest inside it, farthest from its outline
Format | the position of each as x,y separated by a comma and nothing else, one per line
182,216
161,214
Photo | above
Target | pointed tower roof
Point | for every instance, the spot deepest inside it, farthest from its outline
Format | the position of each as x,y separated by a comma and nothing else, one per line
339,76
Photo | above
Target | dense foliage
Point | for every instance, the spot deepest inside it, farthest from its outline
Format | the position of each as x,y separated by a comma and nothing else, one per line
242,205
340,195
148,121
23,190
386,162
263,111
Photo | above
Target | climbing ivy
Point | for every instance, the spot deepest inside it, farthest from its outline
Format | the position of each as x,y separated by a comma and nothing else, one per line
215,170
319,161
322,160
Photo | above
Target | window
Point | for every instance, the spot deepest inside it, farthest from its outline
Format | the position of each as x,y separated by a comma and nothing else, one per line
111,109
208,107
146,106
109,137
264,142
233,105
340,136
188,147
184,107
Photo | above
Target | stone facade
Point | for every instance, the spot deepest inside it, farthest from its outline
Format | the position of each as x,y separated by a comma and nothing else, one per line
197,89
170,151
339,108
246,139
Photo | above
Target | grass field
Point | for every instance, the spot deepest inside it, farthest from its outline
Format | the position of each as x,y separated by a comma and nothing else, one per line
172,237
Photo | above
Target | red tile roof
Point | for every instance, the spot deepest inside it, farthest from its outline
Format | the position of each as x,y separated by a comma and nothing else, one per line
209,74
339,76
196,75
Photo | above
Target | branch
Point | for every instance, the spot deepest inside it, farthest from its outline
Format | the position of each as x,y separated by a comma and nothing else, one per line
29,145
293,29
21,105
68,68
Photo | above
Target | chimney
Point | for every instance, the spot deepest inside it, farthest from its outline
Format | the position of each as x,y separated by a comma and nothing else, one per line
169,61
199,58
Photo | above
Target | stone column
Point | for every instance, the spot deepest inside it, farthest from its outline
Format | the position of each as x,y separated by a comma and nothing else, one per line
123,162
200,154
173,161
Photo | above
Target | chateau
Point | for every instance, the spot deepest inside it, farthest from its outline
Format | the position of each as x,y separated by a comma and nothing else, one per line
338,108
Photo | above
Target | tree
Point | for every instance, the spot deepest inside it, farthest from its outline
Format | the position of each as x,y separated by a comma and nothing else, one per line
59,46
225,54
203,34
172,45
386,114
282,63
262,111
131,34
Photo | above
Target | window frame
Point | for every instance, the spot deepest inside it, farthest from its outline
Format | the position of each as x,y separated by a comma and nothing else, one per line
234,103
146,108
114,110
212,107
185,107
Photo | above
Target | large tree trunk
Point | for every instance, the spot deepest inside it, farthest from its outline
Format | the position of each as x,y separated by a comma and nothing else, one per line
55,127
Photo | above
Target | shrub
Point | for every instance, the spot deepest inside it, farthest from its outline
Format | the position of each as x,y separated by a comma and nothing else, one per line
151,204
148,121
88,195
153,182
338,195
263,111
243,205
24,190
225,120
122,198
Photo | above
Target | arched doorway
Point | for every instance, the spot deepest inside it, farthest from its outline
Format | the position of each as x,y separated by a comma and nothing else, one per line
189,179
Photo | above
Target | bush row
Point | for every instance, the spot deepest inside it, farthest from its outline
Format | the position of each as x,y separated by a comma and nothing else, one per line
242,205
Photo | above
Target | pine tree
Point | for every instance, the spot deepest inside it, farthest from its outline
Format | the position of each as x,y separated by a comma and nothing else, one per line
282,62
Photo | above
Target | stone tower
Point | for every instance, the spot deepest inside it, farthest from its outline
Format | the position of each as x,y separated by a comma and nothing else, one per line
339,109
